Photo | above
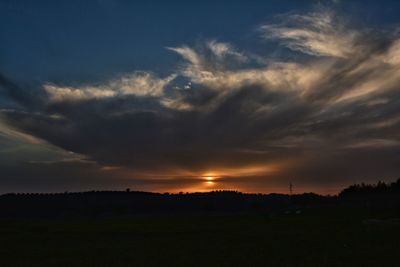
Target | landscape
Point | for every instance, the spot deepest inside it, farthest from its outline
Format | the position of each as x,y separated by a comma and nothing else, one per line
208,133
358,227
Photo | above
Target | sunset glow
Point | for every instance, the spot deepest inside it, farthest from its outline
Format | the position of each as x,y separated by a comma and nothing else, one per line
292,91
200,133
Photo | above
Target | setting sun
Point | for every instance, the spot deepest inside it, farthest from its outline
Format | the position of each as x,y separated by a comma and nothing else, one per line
209,179
200,133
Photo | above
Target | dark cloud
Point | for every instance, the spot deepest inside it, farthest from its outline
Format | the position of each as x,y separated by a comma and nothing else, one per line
330,120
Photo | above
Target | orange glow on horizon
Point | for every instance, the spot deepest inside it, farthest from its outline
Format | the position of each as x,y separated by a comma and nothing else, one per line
215,178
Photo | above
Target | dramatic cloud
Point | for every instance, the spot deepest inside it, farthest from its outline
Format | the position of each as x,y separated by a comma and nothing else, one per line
329,116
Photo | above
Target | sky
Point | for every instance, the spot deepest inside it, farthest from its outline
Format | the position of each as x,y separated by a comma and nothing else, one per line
215,95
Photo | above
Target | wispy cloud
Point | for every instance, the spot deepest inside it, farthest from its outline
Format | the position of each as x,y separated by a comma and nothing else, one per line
309,117
317,34
138,84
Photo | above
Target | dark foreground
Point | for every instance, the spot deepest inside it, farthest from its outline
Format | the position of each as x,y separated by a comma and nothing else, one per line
359,227
335,238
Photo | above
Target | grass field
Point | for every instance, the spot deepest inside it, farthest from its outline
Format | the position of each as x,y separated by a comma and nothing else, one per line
199,240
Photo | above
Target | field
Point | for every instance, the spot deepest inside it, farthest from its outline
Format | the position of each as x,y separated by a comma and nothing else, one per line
339,239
